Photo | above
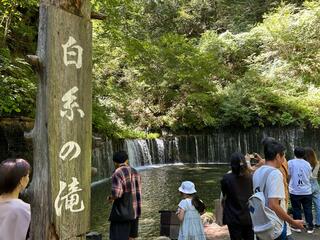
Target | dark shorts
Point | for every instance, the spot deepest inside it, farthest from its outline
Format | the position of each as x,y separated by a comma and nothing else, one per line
124,230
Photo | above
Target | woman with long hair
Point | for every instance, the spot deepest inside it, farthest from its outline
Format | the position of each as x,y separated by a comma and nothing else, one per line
236,187
311,157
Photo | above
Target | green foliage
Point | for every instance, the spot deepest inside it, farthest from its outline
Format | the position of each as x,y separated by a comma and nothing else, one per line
18,31
177,70
17,86
182,65
292,40
17,38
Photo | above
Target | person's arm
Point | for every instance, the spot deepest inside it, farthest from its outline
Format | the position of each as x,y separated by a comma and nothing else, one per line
223,186
224,190
180,214
275,206
116,188
289,171
261,162
315,171
111,198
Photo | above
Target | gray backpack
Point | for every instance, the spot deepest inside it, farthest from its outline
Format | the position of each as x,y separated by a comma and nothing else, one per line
265,222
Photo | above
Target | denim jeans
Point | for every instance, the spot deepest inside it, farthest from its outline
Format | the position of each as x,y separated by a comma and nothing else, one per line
316,199
306,202
283,235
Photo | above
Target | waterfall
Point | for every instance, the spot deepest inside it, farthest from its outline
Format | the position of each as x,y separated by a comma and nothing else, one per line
207,148
102,158
197,149
145,152
212,147
138,152
133,152
160,150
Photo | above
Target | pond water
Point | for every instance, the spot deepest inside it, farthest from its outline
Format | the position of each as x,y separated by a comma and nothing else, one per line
159,192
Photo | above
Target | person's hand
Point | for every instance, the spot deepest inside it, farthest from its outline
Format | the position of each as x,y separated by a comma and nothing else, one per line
261,161
110,199
248,158
298,224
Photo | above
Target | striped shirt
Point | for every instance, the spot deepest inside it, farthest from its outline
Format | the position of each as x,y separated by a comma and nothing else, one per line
127,179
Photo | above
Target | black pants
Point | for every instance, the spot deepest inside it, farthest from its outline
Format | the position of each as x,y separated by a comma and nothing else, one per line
124,230
240,232
306,202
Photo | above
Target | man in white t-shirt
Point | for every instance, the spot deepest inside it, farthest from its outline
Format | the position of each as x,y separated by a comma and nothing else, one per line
274,189
300,188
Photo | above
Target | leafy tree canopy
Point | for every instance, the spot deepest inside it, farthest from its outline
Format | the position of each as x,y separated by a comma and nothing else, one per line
182,65
178,65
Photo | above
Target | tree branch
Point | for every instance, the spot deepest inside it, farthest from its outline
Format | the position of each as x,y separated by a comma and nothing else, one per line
98,16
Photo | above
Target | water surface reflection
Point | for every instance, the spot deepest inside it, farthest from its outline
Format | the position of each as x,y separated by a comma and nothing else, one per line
159,192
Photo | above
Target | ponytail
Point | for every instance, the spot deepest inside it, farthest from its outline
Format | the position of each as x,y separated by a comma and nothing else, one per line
198,204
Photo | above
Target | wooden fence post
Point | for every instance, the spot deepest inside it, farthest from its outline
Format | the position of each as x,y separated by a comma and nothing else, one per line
60,189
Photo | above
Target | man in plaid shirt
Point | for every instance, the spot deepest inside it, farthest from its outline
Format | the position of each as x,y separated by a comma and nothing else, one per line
125,179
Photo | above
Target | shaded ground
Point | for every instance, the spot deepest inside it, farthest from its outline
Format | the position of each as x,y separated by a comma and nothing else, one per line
307,236
215,232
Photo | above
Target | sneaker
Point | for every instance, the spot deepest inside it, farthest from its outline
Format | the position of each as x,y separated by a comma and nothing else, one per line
317,226
296,229
310,230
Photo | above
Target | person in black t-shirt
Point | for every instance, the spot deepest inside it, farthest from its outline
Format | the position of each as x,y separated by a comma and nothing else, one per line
236,187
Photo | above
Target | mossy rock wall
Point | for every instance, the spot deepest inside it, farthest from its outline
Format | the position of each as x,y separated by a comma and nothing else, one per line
13,144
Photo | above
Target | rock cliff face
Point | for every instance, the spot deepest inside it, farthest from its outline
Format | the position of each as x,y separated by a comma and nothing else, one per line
12,141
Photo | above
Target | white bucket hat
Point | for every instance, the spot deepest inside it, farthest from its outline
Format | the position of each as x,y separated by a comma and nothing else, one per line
187,187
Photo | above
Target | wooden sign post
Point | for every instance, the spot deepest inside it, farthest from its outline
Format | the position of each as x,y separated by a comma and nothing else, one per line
60,190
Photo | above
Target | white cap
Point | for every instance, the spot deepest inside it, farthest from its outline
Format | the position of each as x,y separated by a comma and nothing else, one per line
187,187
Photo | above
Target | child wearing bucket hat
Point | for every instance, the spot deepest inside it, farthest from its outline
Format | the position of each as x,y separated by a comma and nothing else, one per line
191,226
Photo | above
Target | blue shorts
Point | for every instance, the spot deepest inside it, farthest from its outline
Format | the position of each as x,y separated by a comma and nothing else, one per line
283,235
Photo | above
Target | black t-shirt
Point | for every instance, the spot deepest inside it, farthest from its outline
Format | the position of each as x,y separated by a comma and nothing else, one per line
236,190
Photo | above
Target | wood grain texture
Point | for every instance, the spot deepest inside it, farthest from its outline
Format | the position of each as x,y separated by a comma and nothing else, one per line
77,7
52,131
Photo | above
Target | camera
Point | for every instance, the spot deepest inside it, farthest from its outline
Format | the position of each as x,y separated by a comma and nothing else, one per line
253,158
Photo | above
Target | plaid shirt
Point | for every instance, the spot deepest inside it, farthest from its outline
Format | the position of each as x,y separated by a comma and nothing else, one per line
126,179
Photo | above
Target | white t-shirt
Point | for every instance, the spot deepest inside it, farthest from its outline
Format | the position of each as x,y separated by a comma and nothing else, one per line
274,187
15,219
300,172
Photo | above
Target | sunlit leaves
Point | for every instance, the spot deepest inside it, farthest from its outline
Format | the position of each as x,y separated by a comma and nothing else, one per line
172,64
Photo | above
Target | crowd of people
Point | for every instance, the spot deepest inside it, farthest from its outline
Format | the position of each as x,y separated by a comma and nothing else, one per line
282,182
294,181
